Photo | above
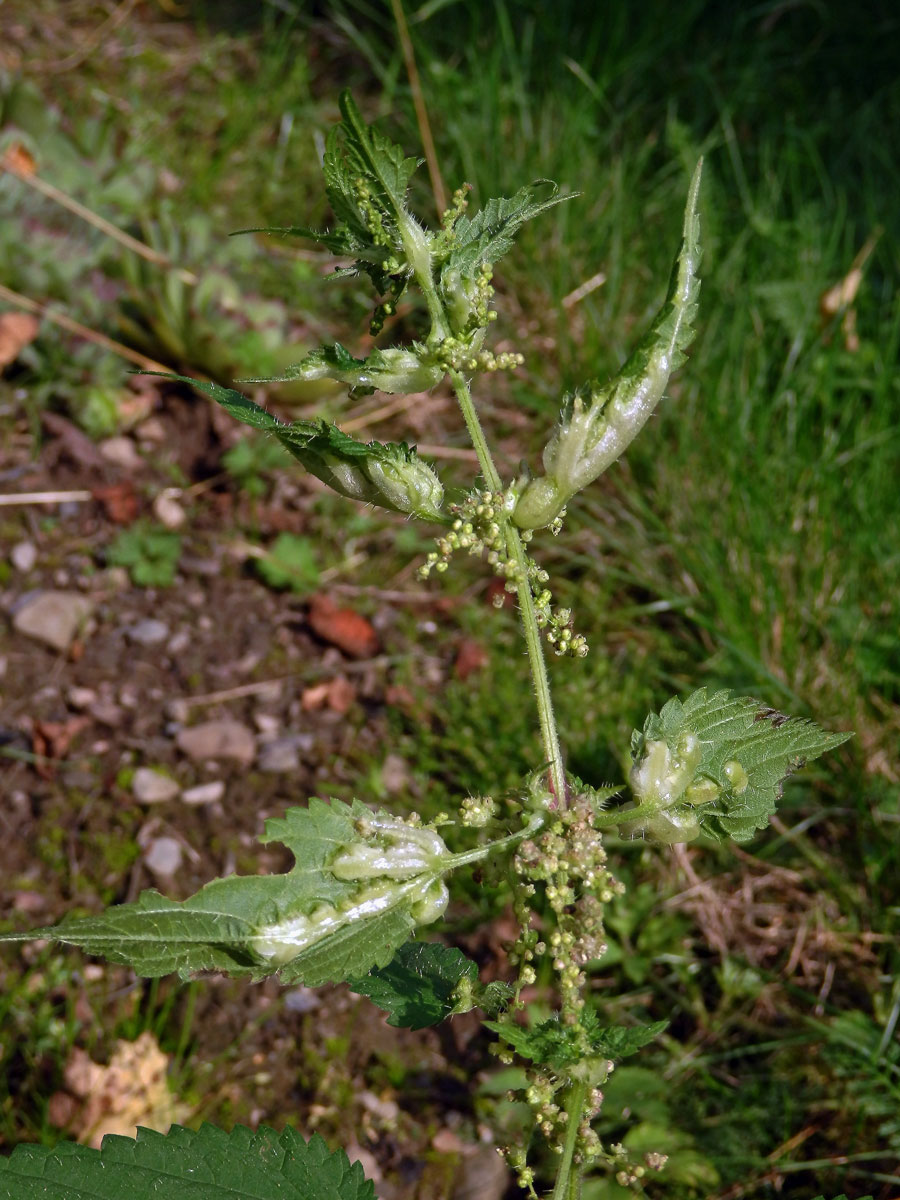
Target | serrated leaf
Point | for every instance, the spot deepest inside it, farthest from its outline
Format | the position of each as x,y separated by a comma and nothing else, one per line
186,1164
389,474
598,421
717,763
489,235
375,157
419,986
360,884
563,1046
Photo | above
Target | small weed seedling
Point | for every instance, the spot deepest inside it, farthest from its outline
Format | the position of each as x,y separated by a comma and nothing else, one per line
364,880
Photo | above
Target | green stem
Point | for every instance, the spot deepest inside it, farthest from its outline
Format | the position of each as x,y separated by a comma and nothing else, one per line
532,634
568,1182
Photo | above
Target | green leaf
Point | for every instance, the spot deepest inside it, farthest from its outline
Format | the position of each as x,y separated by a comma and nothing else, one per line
186,1164
389,474
489,235
360,884
290,562
598,421
420,985
564,1046
717,763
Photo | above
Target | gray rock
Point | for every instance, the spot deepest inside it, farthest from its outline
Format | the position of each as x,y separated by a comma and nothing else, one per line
164,856
302,1000
53,617
218,739
122,452
279,756
23,556
204,793
148,632
152,787
81,697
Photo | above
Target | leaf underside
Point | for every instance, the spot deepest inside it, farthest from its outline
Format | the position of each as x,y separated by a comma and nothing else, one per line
186,1164
229,924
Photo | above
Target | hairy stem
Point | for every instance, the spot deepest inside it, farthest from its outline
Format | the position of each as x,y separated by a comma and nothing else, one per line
568,1182
530,630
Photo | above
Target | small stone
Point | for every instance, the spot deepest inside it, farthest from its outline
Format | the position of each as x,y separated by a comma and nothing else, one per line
53,617
168,511
267,724
279,756
152,787
81,697
148,632
179,642
122,452
395,776
204,793
164,856
302,1000
218,739
23,556
151,429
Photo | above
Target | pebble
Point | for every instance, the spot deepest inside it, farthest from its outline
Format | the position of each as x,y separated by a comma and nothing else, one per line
179,642
279,756
122,452
218,739
301,1000
204,793
53,617
152,787
148,632
23,556
164,856
168,511
81,697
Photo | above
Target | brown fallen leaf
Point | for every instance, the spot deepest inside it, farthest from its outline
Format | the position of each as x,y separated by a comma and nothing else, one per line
50,740
119,501
471,656
337,694
342,627
17,330
18,159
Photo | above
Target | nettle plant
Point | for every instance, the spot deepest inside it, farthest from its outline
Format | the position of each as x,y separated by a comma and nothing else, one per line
364,881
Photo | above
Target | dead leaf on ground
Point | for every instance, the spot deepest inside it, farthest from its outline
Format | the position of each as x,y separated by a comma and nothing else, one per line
131,1091
17,330
471,656
52,739
119,501
19,160
337,694
342,627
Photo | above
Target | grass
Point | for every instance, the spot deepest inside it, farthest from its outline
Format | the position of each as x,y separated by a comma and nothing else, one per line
750,539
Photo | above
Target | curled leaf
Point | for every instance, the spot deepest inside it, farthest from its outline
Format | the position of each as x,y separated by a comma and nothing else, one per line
715,763
598,422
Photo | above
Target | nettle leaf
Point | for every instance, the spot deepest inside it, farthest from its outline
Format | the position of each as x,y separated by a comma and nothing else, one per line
489,235
206,1164
361,882
421,985
563,1046
717,763
389,474
392,370
374,157
598,421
